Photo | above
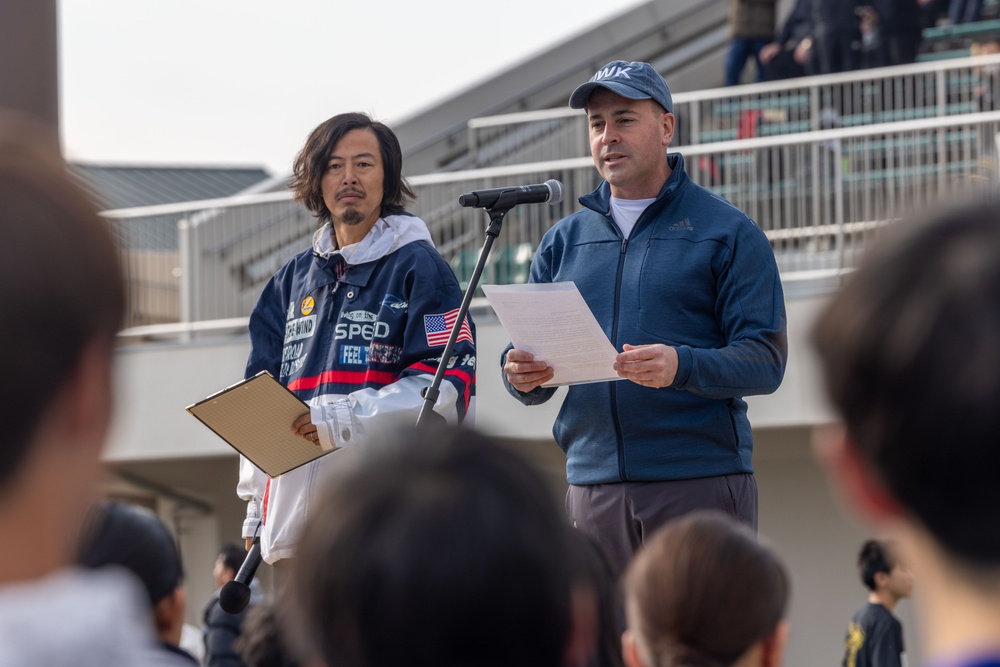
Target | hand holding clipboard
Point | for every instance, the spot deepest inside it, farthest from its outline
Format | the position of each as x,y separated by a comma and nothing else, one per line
255,418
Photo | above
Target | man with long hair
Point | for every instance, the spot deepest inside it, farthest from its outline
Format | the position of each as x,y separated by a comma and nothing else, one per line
356,324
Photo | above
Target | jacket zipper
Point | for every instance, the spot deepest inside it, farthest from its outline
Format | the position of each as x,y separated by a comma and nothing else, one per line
333,301
614,341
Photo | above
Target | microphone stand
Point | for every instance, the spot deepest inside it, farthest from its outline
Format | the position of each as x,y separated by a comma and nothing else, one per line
496,212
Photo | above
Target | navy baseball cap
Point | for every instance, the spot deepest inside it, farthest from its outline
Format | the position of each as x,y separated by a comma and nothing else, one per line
635,80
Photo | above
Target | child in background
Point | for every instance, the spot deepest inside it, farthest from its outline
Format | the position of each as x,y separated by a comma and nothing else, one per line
875,636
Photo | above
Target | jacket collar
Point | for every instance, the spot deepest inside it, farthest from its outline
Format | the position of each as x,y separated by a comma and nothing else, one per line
600,199
387,235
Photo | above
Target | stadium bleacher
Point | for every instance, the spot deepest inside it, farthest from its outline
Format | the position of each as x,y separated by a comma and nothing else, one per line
944,41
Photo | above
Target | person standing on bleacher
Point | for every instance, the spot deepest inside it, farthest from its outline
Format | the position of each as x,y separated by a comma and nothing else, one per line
791,55
965,11
837,35
751,28
896,26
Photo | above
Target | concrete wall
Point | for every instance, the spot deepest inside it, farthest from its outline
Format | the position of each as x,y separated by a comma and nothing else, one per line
157,381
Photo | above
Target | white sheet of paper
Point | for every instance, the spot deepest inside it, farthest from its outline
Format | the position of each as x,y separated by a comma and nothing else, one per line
553,322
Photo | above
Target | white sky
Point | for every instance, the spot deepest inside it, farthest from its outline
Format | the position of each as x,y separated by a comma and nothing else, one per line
242,82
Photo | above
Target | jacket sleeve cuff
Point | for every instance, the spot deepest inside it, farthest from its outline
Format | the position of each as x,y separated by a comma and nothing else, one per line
335,423
685,362
252,522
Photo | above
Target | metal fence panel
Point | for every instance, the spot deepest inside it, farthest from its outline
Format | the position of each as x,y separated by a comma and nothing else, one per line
867,97
820,197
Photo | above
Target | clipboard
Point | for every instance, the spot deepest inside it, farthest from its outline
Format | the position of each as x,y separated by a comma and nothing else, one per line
254,416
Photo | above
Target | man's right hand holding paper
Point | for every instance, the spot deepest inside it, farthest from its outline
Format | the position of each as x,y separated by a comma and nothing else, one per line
524,373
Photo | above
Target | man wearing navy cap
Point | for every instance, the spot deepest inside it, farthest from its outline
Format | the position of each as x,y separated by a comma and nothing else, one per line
686,285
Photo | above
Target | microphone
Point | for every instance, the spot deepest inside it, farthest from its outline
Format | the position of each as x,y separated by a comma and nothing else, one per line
549,192
235,595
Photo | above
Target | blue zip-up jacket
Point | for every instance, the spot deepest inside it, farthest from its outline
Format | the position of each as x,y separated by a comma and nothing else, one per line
357,334
698,274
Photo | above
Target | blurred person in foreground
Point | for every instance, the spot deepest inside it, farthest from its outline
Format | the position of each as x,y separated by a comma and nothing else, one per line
704,592
909,353
62,295
263,643
440,549
121,535
354,325
597,598
875,635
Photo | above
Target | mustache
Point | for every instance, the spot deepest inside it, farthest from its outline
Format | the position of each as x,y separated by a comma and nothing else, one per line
350,191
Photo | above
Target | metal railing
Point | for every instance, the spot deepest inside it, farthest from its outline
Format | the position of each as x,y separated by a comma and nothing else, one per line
819,196
866,97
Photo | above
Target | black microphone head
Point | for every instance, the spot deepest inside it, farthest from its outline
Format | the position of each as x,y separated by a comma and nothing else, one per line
234,597
555,191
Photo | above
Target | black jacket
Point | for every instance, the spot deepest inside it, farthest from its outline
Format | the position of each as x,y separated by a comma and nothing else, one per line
797,26
836,15
221,631
752,19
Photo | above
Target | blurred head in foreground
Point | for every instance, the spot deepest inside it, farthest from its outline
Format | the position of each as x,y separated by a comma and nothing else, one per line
440,549
910,354
62,299
118,534
705,593
909,350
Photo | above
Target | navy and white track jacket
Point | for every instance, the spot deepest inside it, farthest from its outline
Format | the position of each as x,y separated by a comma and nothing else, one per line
357,334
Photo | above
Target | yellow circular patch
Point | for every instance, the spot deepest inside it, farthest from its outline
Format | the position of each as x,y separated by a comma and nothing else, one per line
308,304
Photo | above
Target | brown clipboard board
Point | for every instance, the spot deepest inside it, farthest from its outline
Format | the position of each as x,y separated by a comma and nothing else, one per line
255,418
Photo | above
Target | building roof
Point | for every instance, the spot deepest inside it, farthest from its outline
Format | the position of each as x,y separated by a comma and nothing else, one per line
126,186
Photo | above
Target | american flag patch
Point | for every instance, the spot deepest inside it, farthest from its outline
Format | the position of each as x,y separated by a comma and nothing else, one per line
438,328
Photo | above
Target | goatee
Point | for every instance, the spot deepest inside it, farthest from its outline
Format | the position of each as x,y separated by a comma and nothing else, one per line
352,216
